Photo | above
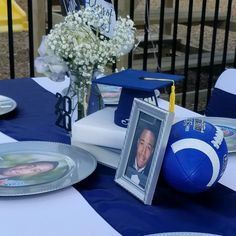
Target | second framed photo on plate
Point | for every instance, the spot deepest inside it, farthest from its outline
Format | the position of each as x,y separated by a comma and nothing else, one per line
144,148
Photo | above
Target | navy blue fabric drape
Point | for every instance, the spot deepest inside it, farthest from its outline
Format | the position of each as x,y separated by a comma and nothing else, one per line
34,118
221,104
210,212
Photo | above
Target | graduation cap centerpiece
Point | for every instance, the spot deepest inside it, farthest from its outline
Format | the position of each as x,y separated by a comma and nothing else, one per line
135,84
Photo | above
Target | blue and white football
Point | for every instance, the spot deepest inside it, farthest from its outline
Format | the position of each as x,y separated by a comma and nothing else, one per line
196,156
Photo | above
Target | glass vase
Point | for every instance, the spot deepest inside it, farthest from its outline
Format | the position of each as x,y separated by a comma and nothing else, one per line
85,96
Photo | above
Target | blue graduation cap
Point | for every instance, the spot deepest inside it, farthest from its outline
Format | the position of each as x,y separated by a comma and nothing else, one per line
135,84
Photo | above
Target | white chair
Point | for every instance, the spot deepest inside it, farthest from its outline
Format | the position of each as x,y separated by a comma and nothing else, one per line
222,102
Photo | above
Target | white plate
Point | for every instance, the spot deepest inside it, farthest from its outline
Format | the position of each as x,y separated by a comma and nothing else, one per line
6,105
33,167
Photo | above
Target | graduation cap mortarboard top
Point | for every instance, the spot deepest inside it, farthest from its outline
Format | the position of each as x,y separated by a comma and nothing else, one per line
136,84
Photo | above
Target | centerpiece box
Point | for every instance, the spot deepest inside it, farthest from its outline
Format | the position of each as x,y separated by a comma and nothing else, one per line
99,129
98,134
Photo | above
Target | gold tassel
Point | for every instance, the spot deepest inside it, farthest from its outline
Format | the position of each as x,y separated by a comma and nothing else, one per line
172,94
172,99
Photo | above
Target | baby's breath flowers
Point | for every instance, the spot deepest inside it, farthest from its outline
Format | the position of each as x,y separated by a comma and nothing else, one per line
78,44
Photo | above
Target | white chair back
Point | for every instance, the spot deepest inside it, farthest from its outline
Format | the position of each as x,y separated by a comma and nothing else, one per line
227,81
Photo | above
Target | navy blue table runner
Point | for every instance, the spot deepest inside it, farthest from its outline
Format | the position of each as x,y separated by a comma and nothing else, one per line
210,212
34,117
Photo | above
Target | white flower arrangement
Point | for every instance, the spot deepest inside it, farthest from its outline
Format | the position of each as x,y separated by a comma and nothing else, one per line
79,46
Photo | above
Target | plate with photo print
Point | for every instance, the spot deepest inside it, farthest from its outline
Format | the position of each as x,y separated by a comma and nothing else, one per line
33,167
228,126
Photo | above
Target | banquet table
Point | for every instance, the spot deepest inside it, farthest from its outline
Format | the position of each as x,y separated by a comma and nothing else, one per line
212,212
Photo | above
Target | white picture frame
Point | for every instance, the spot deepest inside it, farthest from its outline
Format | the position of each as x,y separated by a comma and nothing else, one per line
148,132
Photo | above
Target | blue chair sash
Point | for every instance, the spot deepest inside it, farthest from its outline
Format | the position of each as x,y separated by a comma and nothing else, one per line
221,104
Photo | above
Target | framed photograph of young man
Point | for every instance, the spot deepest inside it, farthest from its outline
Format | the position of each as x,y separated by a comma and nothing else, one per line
144,148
